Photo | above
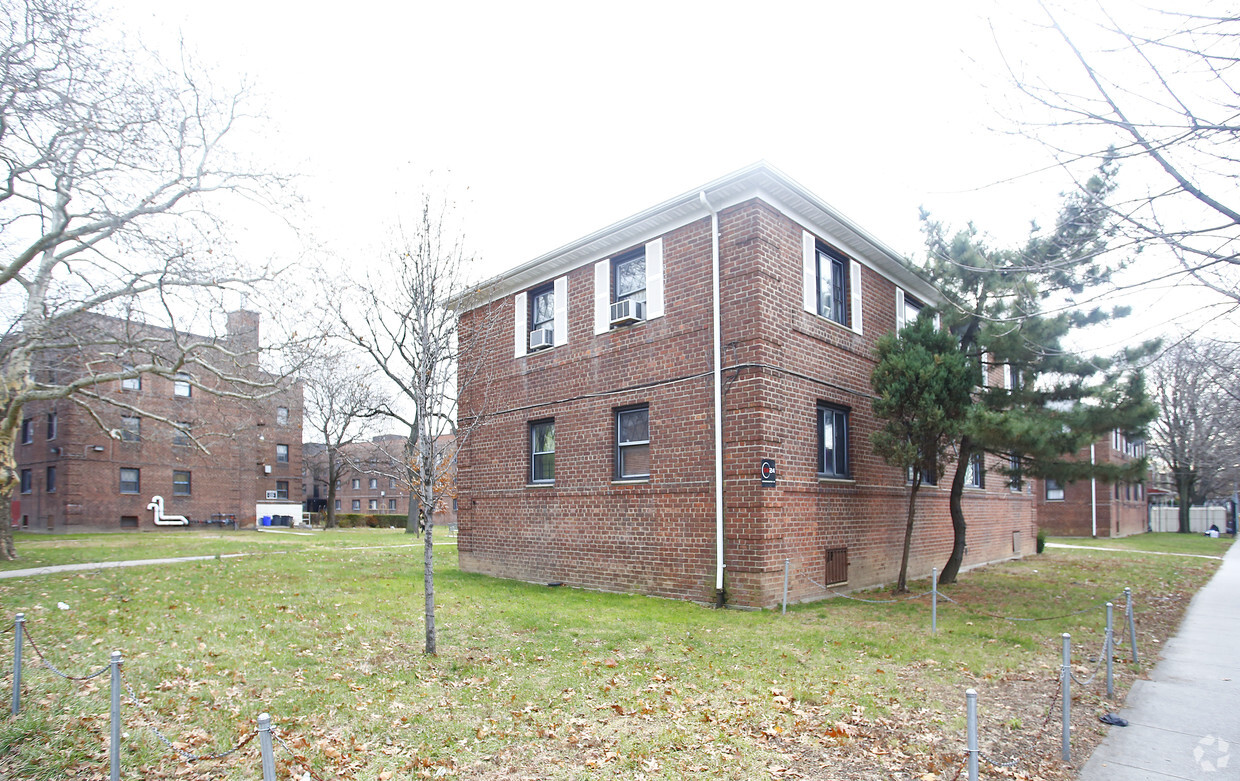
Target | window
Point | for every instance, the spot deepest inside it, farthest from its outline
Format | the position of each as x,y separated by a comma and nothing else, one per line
27,431
633,443
356,484
131,429
51,480
832,289
181,435
975,472
180,483
51,425
27,481
542,451
391,505
1117,490
374,482
391,482
629,277
542,310
1014,481
129,521
281,454
357,504
131,383
281,416
373,504
337,504
928,476
181,385
1054,491
130,481
281,489
832,441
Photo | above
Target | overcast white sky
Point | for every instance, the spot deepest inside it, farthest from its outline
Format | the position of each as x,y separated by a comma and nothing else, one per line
551,120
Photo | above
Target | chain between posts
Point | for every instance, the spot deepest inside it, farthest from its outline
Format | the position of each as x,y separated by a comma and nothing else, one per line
185,755
290,750
50,666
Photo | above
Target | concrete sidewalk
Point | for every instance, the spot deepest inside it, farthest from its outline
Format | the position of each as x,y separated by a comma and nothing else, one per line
1184,722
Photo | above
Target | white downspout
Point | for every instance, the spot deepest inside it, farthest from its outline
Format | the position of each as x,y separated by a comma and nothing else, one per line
718,353
1093,497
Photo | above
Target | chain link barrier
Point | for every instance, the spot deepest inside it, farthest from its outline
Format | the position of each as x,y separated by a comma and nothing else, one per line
293,754
185,755
30,639
1097,667
989,761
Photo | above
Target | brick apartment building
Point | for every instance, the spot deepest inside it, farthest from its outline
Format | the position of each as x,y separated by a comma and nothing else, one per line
1097,509
372,481
75,476
598,466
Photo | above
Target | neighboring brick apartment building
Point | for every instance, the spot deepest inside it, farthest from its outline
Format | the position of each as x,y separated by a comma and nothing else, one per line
75,477
594,464
1121,508
373,481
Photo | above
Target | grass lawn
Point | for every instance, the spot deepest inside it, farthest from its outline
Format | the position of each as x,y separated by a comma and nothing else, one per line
539,682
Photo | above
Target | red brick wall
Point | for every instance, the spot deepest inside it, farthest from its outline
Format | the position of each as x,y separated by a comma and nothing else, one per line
1118,515
241,437
658,537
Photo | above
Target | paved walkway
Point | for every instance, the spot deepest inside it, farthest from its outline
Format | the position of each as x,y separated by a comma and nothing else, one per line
98,565
1184,722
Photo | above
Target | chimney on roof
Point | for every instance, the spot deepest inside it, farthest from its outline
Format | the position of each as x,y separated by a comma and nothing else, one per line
242,338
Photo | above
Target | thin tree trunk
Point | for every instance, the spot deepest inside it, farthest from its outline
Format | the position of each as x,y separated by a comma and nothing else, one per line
952,568
331,489
429,582
1184,485
902,583
8,551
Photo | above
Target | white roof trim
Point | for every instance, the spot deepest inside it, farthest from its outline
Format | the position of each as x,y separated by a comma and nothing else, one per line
761,181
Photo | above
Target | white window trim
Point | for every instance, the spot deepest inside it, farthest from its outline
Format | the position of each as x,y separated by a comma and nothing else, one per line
561,311
809,284
520,321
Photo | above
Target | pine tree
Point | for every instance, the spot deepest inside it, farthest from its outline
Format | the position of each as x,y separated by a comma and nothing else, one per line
923,387
1054,402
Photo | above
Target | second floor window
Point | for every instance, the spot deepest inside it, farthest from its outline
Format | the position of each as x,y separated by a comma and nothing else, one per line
181,435
131,429
131,383
629,277
27,431
356,483
181,385
281,454
51,425
832,287
542,312
542,451
281,416
374,482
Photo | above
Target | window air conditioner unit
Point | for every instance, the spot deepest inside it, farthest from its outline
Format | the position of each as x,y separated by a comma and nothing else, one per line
266,469
627,311
540,338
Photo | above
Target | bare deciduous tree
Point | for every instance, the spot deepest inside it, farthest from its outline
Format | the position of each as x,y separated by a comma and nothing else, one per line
406,320
114,167
1155,89
340,402
1197,432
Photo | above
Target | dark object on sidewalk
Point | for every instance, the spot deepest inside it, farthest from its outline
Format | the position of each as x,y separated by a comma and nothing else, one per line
1111,718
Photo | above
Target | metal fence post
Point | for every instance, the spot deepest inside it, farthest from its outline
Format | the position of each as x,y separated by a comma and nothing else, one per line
1065,673
114,745
1106,643
18,624
785,610
970,697
1132,626
264,741
934,601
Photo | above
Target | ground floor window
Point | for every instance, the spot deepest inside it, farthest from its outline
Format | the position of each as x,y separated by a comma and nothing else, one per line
542,451
633,443
391,505
27,481
51,480
373,504
1054,491
180,483
357,504
281,489
974,474
131,482
832,441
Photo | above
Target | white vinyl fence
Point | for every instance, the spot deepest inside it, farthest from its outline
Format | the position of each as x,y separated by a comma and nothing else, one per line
1167,519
